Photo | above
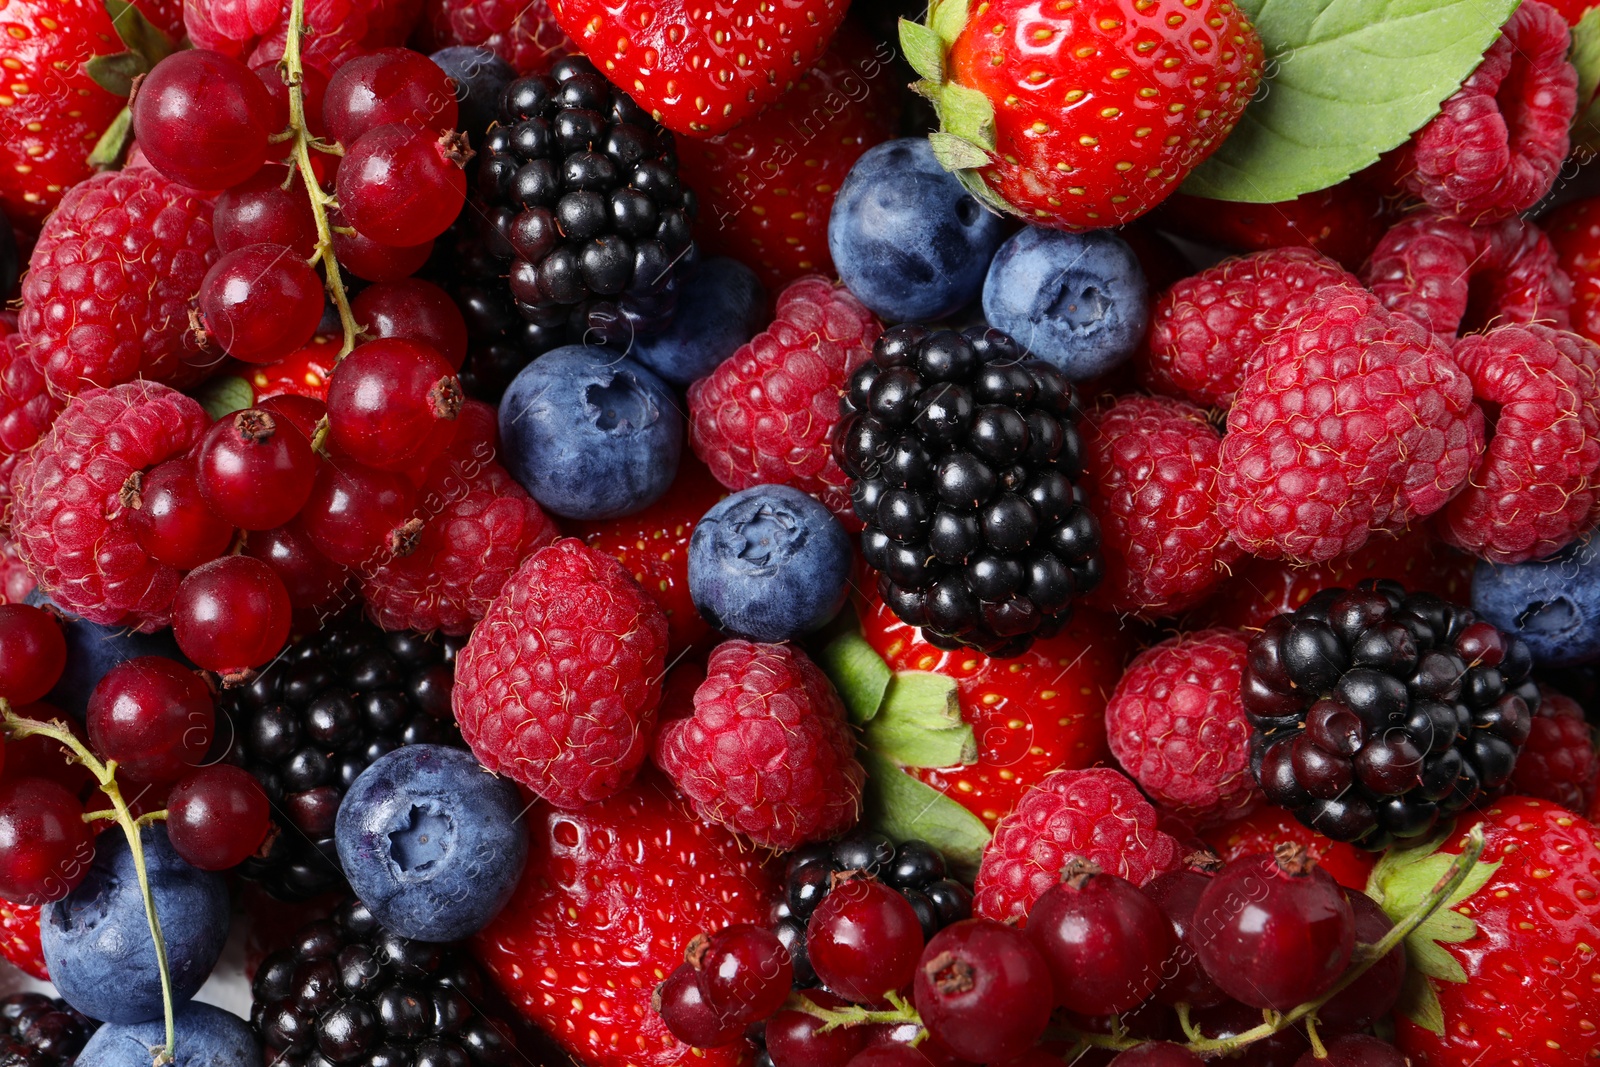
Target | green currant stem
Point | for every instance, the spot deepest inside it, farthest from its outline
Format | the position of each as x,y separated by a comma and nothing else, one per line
106,774
1318,1049
854,1014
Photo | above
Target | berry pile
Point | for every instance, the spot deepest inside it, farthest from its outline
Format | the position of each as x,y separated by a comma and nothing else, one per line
41,1031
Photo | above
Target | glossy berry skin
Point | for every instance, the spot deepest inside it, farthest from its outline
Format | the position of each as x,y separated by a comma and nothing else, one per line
744,973
262,211
217,817
33,653
211,1035
721,307
392,404
864,941
414,310
255,470
373,261
1375,993
261,302
203,119
1157,1054
173,522
231,614
1183,980
795,1038
45,846
681,1003
977,990
1290,939
388,85
400,186
311,579
153,716
1356,1050
1104,940
355,512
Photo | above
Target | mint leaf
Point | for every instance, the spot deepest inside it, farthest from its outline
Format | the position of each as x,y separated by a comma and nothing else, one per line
858,673
919,724
1347,81
905,809
224,395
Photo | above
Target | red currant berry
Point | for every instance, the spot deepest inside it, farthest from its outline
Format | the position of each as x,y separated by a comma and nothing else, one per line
256,473
1158,1054
261,302
203,119
357,514
895,1055
796,1039
217,817
1274,931
153,716
1183,981
374,262
313,86
270,208
682,1007
1038,1057
231,615
1103,938
864,941
416,311
1375,993
401,186
45,846
311,579
393,404
301,412
45,758
1230,1019
389,85
1356,1050
171,519
33,653
977,990
745,972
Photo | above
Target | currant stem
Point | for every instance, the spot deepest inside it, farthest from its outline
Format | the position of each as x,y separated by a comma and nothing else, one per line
854,1014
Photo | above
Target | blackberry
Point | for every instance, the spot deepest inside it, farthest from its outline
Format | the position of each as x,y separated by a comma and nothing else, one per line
38,1031
306,726
1377,712
349,991
964,458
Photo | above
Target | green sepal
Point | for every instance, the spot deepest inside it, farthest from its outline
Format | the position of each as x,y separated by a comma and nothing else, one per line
858,673
1419,1002
947,19
972,181
146,46
112,148
967,114
953,153
225,395
906,810
923,50
115,73
920,725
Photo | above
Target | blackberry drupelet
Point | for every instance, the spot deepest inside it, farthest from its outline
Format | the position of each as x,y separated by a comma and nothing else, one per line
580,190
306,726
964,457
1377,712
38,1031
349,991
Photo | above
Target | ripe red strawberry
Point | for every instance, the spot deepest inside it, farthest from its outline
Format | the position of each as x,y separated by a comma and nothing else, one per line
301,373
1344,222
609,900
1076,115
1042,711
19,938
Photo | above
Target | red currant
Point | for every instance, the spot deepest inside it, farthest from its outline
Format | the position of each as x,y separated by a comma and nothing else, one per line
45,846
270,208
301,412
977,990
153,716
682,1007
863,941
231,615
46,758
1104,940
172,520
33,653
256,473
892,1055
415,310
313,86
1356,1050
1231,1019
745,972
374,262
203,119
1183,980
1375,993
1158,1054
401,186
389,85
217,817
393,404
261,302
796,1039
311,579
355,514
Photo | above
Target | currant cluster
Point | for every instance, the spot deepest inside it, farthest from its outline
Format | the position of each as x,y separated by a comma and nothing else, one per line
40,1031
963,457
1377,712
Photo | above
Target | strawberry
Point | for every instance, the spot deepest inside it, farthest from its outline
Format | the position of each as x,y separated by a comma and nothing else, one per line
1042,711
751,205
701,71
300,373
609,900
1262,829
19,938
1504,974
1078,115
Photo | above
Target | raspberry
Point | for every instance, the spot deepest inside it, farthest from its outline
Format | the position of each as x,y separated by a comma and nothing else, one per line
111,282
1176,724
766,414
558,685
523,34
74,492
1452,277
1535,488
1574,231
1152,465
1206,328
1558,763
26,409
336,30
1096,815
1355,419
768,751
1496,146
15,580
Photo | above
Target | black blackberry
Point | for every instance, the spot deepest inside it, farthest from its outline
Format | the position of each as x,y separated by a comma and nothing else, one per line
580,192
349,991
38,1031
1377,712
964,457
311,722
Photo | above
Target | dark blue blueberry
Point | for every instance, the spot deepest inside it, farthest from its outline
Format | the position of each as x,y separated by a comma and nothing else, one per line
590,433
480,77
97,940
204,1036
92,650
1552,604
906,238
431,842
721,307
769,563
1077,300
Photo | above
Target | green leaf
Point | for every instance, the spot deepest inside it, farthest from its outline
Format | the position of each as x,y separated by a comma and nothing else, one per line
224,395
1420,1003
139,33
919,724
1347,81
955,154
948,19
858,673
112,148
967,114
115,73
1585,57
923,49
905,809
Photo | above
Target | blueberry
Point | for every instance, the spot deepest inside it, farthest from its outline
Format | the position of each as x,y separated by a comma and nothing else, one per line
203,1036
1077,300
590,433
480,77
721,308
432,843
92,650
906,238
97,940
1552,604
770,563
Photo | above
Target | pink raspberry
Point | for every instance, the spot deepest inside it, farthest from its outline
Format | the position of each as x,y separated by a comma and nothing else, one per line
1205,329
767,751
1452,277
336,30
1496,146
1152,465
1096,815
15,580
1535,487
112,280
26,410
1355,419
522,32
558,686
1176,724
73,493
765,416
1558,762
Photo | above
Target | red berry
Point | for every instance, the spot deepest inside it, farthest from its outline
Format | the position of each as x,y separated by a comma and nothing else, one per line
173,522
401,186
45,846
33,653
389,85
261,302
1356,1050
1104,941
414,310
231,614
311,579
977,990
1157,1054
313,86
203,119
1375,993
682,1006
392,404
864,941
254,472
796,1038
270,208
744,971
301,412
355,513
1183,980
217,817
895,1055
374,262
152,715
